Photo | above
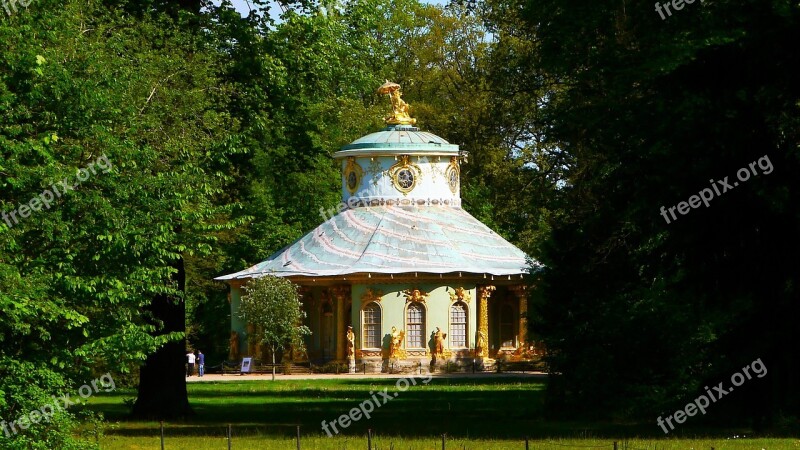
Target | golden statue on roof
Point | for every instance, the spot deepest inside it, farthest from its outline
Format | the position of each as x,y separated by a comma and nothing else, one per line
400,114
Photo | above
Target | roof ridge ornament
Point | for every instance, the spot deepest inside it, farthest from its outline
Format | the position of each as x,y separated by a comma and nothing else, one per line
400,109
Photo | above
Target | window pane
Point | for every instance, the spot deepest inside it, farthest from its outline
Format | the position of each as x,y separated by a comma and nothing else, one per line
372,326
458,325
415,326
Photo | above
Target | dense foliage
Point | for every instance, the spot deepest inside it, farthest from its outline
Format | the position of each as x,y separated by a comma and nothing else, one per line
642,312
199,142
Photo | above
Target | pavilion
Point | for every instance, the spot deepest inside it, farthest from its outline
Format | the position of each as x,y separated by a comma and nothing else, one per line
415,276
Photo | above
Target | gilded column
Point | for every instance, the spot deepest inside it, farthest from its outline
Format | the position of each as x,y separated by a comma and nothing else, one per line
521,292
341,294
482,339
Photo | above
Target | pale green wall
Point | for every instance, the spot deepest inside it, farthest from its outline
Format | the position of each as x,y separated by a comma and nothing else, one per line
393,304
392,312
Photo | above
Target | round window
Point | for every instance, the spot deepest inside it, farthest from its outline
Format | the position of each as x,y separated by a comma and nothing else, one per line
405,179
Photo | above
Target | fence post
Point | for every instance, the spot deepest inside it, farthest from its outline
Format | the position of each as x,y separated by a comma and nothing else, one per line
526,442
162,435
365,368
369,439
229,436
444,439
298,437
615,445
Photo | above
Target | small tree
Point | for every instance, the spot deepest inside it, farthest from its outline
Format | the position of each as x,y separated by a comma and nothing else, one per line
273,306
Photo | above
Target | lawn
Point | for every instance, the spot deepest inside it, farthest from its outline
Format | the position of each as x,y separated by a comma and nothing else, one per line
487,413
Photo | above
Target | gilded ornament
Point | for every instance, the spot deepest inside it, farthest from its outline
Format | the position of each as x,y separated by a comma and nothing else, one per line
460,294
400,109
405,174
453,174
415,295
371,296
352,175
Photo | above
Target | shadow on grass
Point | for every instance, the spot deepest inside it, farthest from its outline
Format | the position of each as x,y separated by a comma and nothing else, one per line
462,408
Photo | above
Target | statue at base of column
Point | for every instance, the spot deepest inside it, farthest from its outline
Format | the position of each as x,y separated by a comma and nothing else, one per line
437,350
397,341
480,345
233,355
252,344
351,353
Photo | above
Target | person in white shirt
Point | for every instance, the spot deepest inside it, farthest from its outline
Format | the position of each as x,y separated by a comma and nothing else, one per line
190,365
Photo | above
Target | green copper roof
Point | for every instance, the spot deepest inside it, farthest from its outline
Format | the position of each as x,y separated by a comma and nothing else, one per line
398,139
392,240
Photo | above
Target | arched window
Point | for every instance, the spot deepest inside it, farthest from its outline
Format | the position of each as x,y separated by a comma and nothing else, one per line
458,325
415,326
372,326
507,325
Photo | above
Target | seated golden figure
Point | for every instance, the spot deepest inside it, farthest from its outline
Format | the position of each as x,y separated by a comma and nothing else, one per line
400,110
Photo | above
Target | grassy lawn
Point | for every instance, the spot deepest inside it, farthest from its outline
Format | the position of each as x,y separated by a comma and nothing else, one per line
476,414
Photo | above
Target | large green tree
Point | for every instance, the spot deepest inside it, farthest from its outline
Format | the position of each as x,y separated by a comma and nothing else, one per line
640,314
95,281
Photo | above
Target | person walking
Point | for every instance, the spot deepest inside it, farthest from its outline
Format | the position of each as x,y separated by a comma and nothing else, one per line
190,364
201,363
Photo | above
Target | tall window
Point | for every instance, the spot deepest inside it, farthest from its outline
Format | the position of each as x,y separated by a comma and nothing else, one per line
458,324
372,326
507,325
415,326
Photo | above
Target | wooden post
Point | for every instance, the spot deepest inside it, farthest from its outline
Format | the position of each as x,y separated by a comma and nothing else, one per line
229,436
615,445
298,437
369,439
162,435
444,438
526,442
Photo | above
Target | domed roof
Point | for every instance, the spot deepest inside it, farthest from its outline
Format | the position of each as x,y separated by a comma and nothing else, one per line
398,139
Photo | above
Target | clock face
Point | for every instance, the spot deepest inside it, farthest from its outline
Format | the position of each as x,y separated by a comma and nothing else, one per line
405,178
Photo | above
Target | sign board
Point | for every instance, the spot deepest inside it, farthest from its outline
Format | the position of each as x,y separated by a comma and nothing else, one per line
246,362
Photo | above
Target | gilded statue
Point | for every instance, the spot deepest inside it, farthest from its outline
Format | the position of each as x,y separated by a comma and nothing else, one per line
252,343
233,355
480,346
397,341
438,343
400,110
351,342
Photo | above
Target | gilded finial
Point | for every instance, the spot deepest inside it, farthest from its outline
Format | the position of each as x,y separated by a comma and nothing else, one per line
399,114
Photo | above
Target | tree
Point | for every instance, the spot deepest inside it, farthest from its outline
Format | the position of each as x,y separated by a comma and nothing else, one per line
640,313
273,306
95,280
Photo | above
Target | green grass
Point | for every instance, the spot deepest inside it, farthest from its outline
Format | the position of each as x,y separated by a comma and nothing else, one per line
475,413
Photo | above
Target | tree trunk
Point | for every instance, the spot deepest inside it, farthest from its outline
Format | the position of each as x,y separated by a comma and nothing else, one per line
273,363
162,379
